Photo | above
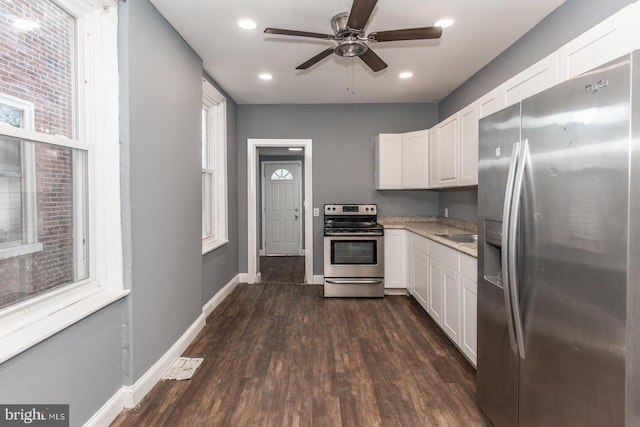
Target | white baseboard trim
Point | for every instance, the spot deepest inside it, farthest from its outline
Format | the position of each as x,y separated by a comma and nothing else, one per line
244,277
396,291
318,279
132,395
109,412
220,296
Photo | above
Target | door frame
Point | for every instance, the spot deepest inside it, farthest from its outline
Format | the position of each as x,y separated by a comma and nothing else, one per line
263,202
252,217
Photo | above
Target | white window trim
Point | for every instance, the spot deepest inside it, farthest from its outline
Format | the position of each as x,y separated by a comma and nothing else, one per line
29,205
27,323
211,97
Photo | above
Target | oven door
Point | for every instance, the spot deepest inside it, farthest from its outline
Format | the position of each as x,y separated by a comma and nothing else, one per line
354,256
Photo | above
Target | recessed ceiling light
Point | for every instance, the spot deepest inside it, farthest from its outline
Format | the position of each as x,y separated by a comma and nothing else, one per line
265,76
444,23
25,24
295,148
406,75
247,24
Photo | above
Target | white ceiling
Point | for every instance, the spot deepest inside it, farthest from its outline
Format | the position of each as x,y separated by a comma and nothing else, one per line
234,57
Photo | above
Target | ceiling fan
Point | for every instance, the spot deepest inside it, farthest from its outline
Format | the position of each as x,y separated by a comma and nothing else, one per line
348,28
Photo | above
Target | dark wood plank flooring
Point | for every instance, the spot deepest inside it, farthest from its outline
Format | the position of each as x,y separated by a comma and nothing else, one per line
282,269
282,355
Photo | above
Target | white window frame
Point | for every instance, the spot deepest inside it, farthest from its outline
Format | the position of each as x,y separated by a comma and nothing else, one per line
216,105
29,243
24,324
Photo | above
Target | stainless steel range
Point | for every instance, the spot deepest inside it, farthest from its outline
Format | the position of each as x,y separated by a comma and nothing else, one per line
353,251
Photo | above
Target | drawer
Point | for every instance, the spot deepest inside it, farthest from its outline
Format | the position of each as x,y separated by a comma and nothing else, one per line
469,267
447,256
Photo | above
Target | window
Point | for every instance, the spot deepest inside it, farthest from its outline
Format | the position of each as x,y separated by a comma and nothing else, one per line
60,250
281,175
214,168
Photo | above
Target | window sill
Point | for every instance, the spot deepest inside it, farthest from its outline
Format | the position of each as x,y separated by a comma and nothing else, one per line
16,338
20,249
210,245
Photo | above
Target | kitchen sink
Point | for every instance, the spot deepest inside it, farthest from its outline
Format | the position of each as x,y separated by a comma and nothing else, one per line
460,238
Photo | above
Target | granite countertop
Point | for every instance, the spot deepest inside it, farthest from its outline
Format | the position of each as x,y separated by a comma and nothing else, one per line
431,226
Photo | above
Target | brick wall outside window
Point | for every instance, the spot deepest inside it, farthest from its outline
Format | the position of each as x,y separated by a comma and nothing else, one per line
37,66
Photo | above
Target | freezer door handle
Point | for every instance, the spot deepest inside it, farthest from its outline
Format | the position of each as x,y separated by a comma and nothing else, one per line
514,219
506,280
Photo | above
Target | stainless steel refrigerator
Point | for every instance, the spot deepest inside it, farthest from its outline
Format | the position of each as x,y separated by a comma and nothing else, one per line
559,254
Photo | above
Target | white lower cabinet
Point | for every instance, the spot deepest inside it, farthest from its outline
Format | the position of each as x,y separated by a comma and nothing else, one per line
443,281
419,270
435,290
395,255
469,307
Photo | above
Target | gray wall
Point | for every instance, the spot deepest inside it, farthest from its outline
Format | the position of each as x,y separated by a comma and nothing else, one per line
343,156
571,19
80,366
221,265
162,80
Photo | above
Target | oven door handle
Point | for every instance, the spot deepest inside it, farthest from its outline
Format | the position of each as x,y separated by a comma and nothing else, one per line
354,281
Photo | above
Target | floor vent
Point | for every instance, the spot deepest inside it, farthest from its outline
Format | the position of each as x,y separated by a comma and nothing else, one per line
183,368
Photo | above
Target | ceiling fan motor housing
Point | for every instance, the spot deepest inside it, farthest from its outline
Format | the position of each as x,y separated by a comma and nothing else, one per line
349,44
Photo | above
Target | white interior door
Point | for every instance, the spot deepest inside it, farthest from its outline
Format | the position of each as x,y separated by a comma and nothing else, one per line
282,208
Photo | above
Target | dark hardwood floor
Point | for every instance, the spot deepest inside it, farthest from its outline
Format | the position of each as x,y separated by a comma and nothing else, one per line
282,355
282,269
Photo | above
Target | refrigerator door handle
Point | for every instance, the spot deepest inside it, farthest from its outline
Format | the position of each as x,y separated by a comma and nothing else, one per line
514,219
506,280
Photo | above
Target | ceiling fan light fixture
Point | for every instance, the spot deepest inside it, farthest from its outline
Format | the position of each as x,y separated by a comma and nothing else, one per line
351,48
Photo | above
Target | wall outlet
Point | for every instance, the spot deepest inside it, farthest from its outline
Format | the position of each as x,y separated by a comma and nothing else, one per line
316,211
446,212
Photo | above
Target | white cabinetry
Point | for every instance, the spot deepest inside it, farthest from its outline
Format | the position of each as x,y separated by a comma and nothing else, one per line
469,304
419,269
395,258
607,41
489,103
389,161
468,146
415,151
445,288
540,76
443,281
402,160
445,153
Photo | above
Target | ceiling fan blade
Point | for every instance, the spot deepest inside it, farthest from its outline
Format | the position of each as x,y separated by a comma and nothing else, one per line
319,57
282,32
360,12
373,61
406,34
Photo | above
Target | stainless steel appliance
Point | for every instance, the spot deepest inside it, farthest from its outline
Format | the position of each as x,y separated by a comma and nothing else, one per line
559,255
353,251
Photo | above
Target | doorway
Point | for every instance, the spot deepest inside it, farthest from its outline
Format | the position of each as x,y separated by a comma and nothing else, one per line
305,217
281,208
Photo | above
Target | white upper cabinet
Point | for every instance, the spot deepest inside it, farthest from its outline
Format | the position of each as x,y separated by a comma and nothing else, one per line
402,160
540,76
606,41
489,103
433,154
415,151
388,161
468,146
445,153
